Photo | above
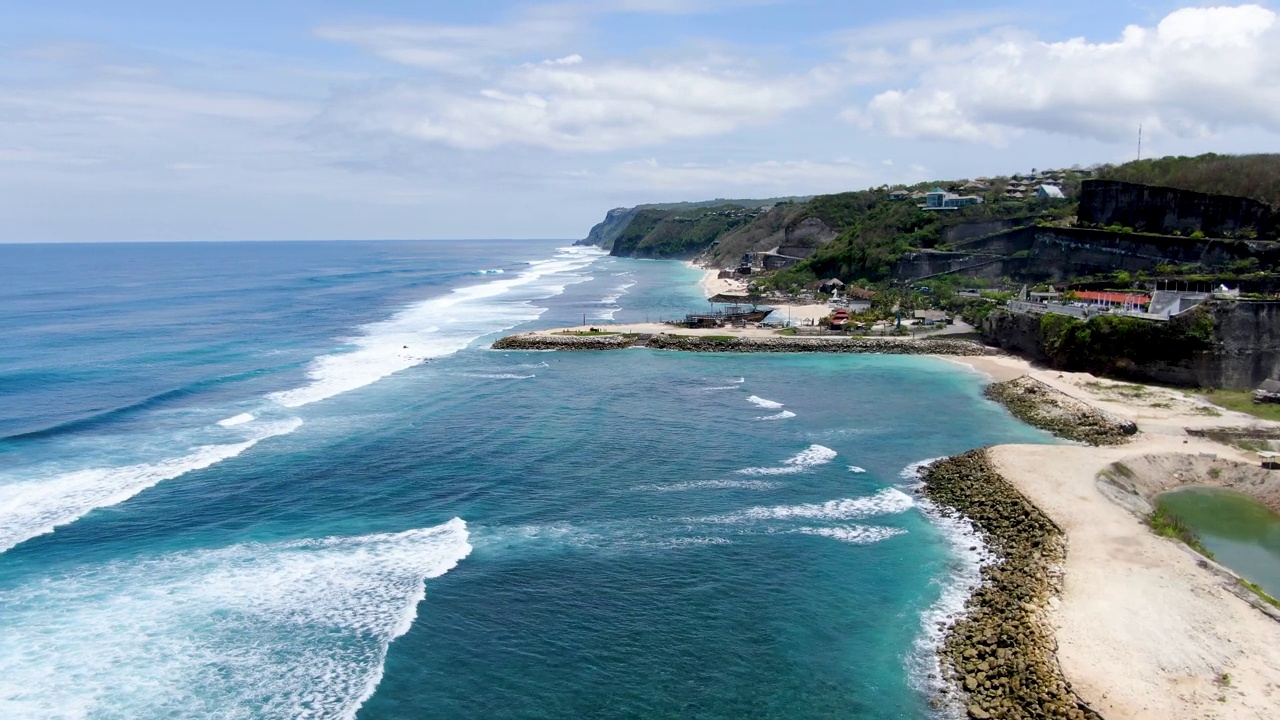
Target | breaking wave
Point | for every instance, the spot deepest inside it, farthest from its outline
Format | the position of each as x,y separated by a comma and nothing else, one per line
712,485
853,534
438,326
889,501
810,457
34,507
278,630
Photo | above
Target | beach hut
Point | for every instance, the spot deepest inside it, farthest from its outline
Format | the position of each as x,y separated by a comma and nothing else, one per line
839,319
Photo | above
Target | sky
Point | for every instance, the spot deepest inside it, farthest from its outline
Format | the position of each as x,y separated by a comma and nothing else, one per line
151,120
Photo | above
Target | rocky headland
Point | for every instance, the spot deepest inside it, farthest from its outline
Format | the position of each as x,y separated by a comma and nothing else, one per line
1001,653
1043,406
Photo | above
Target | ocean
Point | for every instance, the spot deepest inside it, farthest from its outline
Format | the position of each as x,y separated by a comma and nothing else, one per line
289,480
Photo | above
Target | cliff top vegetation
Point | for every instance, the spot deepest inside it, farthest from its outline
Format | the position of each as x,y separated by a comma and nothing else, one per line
1253,176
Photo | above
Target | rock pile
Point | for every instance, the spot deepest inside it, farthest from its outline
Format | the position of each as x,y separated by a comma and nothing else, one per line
1000,655
703,343
544,341
866,345
1042,406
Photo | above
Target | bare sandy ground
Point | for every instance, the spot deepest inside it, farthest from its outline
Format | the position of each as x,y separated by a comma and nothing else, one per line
1144,631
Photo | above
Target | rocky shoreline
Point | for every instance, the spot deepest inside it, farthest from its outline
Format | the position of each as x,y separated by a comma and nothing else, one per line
1043,406
779,344
1001,654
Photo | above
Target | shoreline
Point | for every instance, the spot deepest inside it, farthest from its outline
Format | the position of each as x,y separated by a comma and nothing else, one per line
1140,626
798,313
1115,621
1000,653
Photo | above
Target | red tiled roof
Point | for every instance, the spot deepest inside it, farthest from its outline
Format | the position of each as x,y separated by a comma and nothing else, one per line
1113,297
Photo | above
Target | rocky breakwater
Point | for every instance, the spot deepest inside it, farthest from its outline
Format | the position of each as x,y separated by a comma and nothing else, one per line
548,341
1000,654
791,344
1048,408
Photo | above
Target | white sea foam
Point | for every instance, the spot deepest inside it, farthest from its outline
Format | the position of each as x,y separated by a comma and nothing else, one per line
739,381
439,326
618,292
494,271
853,534
785,414
913,474
767,404
711,485
810,457
721,387
233,421
280,630
889,501
607,537
32,507
963,576
856,469
500,376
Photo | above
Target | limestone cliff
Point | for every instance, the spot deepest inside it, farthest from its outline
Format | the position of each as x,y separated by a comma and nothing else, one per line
683,230
1150,208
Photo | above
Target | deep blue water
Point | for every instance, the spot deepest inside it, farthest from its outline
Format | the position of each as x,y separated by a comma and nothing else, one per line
227,469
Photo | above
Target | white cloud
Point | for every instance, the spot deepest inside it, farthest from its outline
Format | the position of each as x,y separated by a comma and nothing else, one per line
767,178
461,49
1198,71
577,106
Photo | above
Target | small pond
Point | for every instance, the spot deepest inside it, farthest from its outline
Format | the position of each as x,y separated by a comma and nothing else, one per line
1241,532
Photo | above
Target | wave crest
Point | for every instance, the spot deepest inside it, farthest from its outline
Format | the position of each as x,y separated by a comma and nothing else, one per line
280,630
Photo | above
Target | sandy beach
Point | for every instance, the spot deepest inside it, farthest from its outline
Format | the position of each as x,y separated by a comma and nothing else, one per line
1145,628
797,314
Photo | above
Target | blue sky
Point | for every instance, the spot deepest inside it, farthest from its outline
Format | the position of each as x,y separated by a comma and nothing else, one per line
314,119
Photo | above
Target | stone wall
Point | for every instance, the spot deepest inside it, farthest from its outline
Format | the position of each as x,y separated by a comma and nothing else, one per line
775,344
1156,209
972,230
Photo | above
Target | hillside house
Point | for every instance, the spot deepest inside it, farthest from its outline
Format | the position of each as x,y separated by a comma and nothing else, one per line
939,199
899,195
1050,192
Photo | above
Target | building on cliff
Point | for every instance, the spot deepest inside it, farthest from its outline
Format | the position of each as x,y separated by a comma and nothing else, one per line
939,199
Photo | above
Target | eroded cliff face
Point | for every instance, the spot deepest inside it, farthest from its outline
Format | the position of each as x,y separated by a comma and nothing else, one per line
1053,254
604,233
1240,348
1148,208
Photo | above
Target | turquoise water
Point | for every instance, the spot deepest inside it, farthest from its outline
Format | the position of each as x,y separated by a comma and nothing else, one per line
289,480
1241,532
